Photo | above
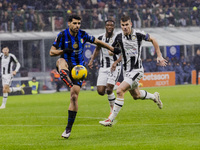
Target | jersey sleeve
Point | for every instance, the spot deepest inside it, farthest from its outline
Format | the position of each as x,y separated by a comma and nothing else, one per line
143,35
100,37
89,38
16,62
146,37
58,41
117,40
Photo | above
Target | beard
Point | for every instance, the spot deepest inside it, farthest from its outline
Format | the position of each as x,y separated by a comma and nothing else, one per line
75,30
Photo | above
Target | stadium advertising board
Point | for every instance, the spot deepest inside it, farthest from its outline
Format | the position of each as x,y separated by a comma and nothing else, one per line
194,77
158,79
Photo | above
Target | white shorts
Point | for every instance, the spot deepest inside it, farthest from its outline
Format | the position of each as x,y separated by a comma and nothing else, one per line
133,77
106,76
7,79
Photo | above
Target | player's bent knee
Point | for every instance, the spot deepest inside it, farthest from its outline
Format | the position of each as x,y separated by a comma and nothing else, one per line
119,92
109,91
136,97
60,61
74,97
102,93
5,91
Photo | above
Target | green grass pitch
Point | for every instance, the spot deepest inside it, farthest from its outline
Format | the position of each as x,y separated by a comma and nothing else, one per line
37,122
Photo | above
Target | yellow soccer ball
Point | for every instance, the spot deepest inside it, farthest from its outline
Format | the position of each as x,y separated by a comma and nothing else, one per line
79,72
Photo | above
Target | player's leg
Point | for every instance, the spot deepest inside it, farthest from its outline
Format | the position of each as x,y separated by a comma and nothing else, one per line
144,95
111,96
102,86
101,89
5,96
64,72
72,111
6,81
15,89
130,81
119,102
112,79
102,81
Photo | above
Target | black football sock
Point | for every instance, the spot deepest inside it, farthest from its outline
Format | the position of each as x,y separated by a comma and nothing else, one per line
71,119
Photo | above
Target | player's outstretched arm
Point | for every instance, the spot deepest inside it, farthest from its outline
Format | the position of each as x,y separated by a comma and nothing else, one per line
94,55
160,60
54,52
99,43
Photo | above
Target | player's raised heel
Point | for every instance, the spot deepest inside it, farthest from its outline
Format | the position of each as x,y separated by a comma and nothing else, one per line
107,123
157,100
64,76
66,133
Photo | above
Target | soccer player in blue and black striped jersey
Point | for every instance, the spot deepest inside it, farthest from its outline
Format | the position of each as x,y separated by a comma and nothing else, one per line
70,45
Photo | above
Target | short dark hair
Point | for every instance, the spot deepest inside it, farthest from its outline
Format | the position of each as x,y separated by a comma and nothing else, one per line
74,17
4,46
125,18
110,21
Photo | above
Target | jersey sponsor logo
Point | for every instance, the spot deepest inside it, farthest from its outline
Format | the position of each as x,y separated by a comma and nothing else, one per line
77,51
67,41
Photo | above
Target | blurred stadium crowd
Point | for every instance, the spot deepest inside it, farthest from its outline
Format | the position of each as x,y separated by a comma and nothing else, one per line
52,15
32,15
182,68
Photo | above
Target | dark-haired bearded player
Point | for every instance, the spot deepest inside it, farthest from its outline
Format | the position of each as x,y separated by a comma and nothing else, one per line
70,45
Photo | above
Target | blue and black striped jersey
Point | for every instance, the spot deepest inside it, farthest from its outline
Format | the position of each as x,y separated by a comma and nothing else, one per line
66,40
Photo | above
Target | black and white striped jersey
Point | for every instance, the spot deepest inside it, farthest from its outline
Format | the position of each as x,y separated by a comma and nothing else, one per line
106,60
7,63
131,46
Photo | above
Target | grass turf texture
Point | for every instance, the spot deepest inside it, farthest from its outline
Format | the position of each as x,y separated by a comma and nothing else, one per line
37,122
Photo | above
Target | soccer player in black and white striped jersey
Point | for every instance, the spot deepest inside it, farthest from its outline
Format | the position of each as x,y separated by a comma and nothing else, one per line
130,41
107,78
7,62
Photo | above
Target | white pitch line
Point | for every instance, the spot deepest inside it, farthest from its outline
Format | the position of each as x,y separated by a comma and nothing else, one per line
164,124
54,117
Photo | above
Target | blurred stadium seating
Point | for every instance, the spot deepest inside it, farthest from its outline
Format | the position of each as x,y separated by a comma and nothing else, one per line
29,28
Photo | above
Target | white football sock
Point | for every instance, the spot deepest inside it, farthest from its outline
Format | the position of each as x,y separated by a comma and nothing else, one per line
5,96
146,95
111,99
119,102
15,89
